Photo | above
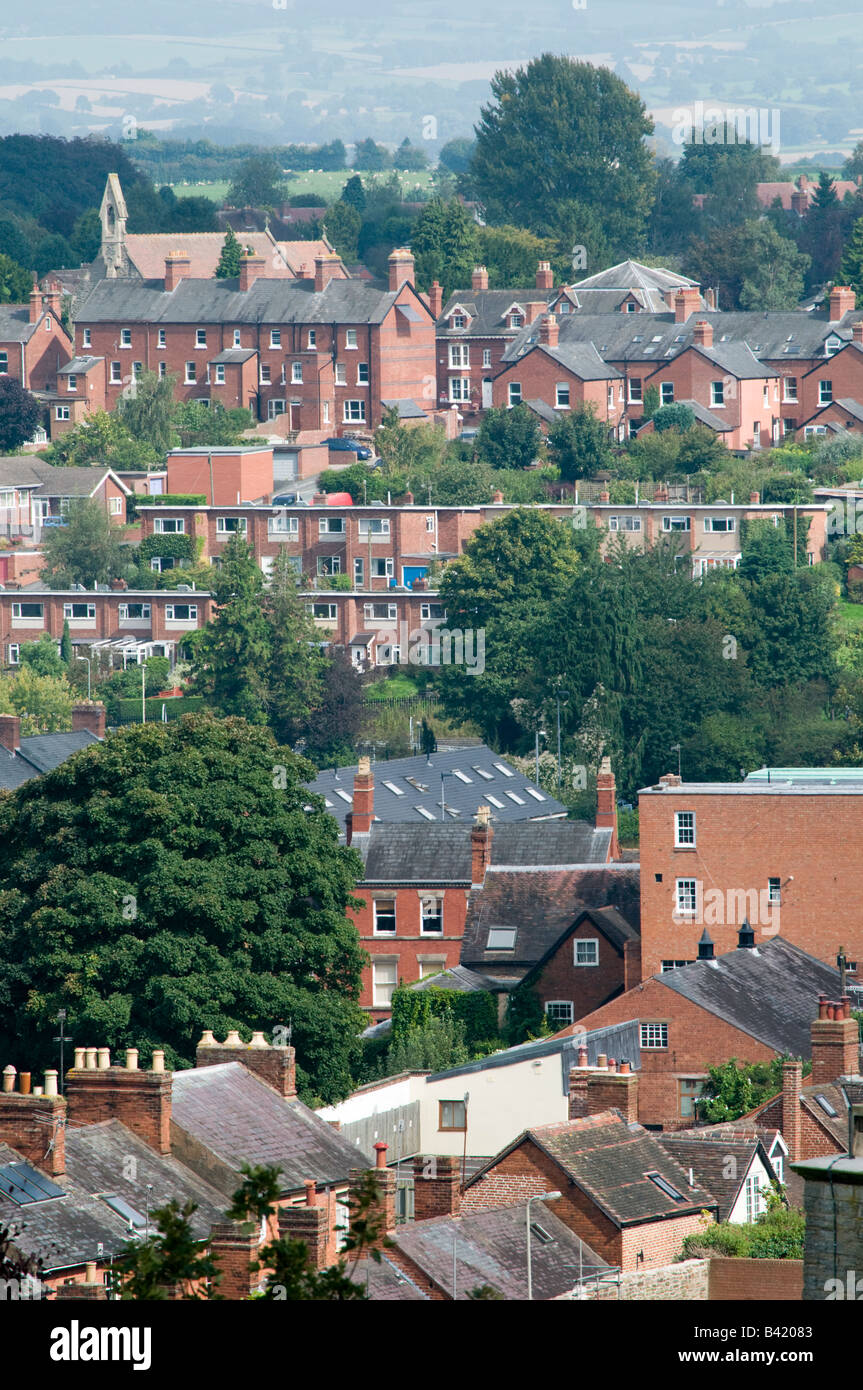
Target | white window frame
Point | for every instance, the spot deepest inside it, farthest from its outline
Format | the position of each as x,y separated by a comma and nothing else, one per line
459,354
351,339
191,377
686,897
275,337
684,830
381,999
562,1020
653,1037
437,916
341,374
585,941
825,391
331,526
200,337
169,525
717,395
239,525
668,523
666,393
513,393
384,931
171,613
296,373
125,337
354,412
561,395
86,340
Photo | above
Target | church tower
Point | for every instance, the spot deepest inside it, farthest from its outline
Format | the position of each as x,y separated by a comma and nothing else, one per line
113,216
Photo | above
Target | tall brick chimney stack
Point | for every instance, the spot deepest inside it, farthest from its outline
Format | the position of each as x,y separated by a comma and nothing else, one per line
35,301
843,301
549,330
386,1182
857,331
791,1123
435,298
479,278
401,268
606,805
178,266
703,334
274,1063
10,732
835,1042
141,1100
89,716
251,269
481,835
51,298
35,1125
359,819
593,1090
687,301
326,269
437,1187
544,276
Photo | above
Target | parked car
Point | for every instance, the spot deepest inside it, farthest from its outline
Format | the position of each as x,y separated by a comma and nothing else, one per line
285,499
349,446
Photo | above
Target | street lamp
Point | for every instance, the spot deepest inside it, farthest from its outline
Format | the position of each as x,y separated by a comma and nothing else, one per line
542,1197
87,659
561,695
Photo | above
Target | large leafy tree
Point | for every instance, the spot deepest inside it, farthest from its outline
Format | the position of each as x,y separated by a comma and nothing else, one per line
20,413
257,183
175,877
578,444
102,438
444,244
231,655
559,131
509,438
43,699
15,282
229,257
751,265
147,410
86,550
296,668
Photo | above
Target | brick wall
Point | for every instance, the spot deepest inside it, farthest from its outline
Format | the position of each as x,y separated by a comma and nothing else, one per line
587,987
36,1127
686,1280
141,1100
755,1281
833,1203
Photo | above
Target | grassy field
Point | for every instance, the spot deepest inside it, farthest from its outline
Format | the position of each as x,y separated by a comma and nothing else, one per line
850,616
327,184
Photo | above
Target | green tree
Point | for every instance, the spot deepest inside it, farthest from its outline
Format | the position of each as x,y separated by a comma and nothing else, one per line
409,157
509,438
180,881
231,655
230,257
86,237
851,268
511,254
734,1088
86,550
101,438
211,425
170,1261
43,700
147,411
20,413
674,417
257,183
342,223
295,671
43,657
370,156
353,193
751,265
337,721
15,282
578,444
559,130
455,155
66,644
444,244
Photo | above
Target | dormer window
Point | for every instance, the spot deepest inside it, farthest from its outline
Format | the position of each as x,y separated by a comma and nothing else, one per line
832,345
516,320
459,321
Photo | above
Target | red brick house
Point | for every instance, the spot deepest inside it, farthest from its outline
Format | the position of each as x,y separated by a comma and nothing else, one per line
34,345
564,376
621,1191
141,623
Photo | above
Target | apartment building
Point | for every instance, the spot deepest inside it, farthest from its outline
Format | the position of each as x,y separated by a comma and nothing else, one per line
137,623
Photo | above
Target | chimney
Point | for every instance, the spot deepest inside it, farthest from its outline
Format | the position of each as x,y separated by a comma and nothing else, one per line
437,1187
544,276
386,1181
687,301
857,331
51,297
705,946
703,334
435,298
35,302
89,716
799,202
363,812
479,278
401,266
481,835
233,1246
631,964
549,330
497,496
34,1125
10,732
843,301
835,1043
178,266
754,499
598,1089
606,805
534,309
746,938
791,1122
309,1223
326,269
710,299
670,779
141,1100
251,269
276,1064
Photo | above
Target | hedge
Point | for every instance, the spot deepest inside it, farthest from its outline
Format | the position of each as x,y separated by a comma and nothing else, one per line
129,711
172,499
412,1008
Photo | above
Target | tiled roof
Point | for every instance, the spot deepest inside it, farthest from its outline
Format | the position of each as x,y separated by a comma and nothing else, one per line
488,309
486,779
398,853
491,1248
15,325
40,753
583,360
79,366
541,904
707,1153
632,274
770,993
148,252
384,1281
241,1119
610,1161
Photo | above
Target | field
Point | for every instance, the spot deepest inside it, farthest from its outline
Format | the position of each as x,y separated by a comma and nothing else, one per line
328,184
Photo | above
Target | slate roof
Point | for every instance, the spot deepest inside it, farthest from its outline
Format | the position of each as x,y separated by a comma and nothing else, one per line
385,1282
769,993
240,1119
541,903
618,1040
632,274
491,1248
609,1160
543,410
79,366
707,417
461,796
220,301
582,359
488,309
15,325
408,410
19,472
398,853
38,754
707,1151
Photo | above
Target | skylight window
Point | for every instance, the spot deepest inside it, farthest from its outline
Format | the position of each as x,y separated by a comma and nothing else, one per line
507,771
537,796
665,1187
540,1233
481,772
391,787
494,801
826,1106
24,1185
426,814
344,796
133,1218
657,339
514,796
462,776
501,939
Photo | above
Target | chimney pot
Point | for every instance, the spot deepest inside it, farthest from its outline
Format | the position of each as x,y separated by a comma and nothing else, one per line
24,1083
90,1058
9,1074
103,1059
79,1059
90,1275
37,1090
311,1192
51,1083
381,1154
602,1061
131,1059
703,333
624,1068
233,1039
208,1039
822,1006
479,278
401,268
258,1040
158,1062
549,330
582,1056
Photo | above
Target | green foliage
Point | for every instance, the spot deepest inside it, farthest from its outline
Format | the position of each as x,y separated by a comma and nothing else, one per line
231,654
735,1088
86,550
127,709
20,413
66,644
343,223
147,411
102,439
434,1045
444,244
42,657
198,425
752,265
509,438
510,254
170,546
776,1234
354,479
525,1017
15,282
230,257
257,183
627,827
173,499
156,1267
171,878
559,138
42,699
370,156
353,193
578,444
851,269
413,1010
673,417
650,402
